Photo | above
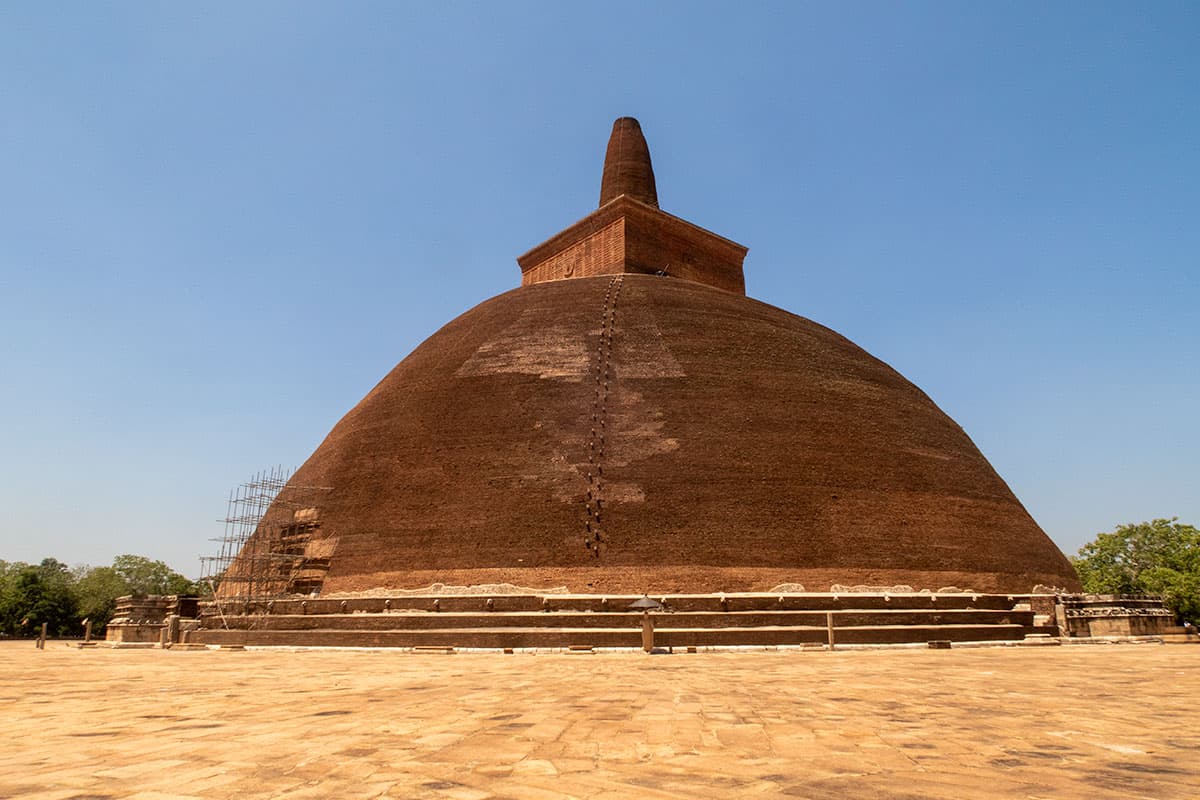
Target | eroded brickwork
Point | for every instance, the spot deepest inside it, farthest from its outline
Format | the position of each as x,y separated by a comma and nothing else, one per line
659,243
601,253
744,448
628,236
627,167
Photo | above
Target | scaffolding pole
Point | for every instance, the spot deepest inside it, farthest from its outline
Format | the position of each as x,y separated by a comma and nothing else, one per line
265,550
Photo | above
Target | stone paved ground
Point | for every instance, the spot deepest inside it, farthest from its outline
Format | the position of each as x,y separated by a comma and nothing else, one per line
1112,721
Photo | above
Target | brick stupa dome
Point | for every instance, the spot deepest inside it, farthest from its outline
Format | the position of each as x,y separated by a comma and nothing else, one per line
629,421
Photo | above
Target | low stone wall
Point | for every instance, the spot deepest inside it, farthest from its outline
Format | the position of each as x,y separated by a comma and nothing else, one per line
873,615
1113,615
563,619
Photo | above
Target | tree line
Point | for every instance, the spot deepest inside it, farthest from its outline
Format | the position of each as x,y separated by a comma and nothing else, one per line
63,597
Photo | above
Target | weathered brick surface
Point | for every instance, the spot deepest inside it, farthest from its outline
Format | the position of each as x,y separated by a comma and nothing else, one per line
657,242
599,253
628,236
744,447
627,167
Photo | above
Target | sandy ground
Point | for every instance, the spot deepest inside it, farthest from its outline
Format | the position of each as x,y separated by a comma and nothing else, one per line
1096,721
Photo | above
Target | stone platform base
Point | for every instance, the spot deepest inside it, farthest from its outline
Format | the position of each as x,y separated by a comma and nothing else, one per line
581,621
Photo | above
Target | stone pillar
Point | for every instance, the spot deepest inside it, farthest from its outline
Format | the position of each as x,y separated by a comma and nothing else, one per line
1060,619
647,632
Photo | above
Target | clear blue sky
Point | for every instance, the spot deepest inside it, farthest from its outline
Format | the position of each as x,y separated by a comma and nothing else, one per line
221,224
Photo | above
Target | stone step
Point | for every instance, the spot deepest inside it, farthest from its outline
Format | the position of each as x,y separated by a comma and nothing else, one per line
493,638
662,621
1042,630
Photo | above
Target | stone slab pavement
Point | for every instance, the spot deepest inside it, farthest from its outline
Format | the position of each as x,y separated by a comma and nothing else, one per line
1094,721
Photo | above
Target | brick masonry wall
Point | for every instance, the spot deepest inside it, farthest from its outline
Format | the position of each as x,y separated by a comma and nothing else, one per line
627,236
746,447
599,254
657,242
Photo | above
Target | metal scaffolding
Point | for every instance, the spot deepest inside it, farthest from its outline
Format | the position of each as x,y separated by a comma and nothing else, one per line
267,549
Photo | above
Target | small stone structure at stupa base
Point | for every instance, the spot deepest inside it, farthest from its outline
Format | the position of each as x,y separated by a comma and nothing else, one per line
1113,615
151,619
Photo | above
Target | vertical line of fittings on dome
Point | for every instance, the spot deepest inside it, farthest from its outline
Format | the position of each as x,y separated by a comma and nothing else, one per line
593,505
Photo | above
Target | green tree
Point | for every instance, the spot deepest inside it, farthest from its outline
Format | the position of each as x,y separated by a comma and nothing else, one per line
143,576
1157,557
11,607
97,590
31,595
